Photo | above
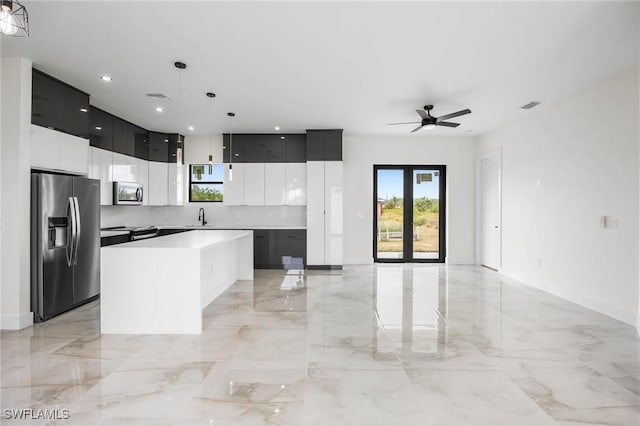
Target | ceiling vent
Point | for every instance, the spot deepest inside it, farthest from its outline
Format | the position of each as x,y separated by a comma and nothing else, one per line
157,95
530,105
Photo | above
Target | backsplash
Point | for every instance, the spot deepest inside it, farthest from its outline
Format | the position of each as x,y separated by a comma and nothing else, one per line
216,214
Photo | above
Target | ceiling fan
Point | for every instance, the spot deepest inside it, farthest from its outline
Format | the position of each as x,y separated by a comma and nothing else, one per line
430,122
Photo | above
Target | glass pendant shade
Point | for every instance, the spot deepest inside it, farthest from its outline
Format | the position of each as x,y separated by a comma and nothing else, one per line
210,164
14,19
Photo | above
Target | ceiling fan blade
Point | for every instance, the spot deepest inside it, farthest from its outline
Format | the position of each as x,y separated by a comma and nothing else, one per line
406,122
422,114
454,114
417,128
447,124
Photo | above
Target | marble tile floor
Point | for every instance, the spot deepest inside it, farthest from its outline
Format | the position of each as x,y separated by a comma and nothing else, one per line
372,345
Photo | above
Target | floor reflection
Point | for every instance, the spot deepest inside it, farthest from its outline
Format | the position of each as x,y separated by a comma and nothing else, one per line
411,307
282,291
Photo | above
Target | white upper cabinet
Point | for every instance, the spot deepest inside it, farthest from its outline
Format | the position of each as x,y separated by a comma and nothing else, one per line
143,179
176,184
296,184
234,188
125,168
254,184
157,193
100,168
275,184
53,150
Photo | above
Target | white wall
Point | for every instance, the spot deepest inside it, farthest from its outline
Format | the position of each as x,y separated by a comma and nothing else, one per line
361,153
16,183
564,166
197,151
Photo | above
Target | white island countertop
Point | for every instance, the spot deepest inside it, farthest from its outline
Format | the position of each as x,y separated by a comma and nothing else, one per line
195,239
225,227
160,285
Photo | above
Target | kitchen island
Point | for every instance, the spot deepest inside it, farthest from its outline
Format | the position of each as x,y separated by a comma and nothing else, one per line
160,285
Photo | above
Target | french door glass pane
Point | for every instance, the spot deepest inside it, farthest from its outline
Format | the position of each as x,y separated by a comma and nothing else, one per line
426,209
390,213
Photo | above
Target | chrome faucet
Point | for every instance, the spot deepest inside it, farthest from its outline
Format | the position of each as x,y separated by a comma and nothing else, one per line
201,216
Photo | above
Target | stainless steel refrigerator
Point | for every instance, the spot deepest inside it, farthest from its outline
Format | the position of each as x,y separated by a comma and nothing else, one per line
65,243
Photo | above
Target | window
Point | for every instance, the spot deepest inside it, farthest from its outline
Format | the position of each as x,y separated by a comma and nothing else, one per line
205,186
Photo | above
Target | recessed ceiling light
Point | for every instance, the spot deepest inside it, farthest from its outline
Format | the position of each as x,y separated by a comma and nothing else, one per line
83,110
166,140
98,128
105,78
281,137
191,128
159,109
277,128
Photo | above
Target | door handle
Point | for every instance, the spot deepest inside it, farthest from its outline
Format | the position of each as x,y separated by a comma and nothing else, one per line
496,226
78,231
71,231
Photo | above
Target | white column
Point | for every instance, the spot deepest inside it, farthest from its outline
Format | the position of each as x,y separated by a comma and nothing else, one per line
638,123
15,182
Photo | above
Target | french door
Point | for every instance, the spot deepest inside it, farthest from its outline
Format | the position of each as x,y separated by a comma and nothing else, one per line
409,213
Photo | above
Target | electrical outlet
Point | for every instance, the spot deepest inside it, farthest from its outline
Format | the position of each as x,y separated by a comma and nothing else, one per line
608,222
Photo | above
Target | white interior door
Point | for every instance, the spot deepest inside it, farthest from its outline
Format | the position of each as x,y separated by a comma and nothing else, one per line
490,211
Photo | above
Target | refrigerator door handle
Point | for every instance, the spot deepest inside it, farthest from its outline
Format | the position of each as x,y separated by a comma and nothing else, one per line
71,233
78,230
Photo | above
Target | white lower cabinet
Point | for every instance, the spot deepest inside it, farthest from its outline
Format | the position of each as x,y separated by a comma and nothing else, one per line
324,213
275,177
58,151
234,188
158,183
100,168
254,184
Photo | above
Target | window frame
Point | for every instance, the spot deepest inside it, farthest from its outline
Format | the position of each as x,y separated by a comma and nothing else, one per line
191,183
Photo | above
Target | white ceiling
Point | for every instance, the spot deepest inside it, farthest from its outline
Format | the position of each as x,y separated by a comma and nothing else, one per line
350,65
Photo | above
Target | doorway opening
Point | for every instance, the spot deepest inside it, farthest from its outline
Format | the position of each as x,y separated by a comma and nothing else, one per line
409,220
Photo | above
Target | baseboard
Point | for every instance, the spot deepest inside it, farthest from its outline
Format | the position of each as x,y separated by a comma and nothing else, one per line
325,267
604,308
17,321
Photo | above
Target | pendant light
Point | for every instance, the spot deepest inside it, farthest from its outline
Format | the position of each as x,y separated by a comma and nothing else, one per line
231,115
14,19
211,95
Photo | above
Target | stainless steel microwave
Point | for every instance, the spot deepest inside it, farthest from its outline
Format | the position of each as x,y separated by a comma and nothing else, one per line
127,193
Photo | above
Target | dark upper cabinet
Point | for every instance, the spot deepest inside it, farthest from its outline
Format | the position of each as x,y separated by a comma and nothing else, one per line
296,146
324,145
175,152
315,145
265,148
235,144
100,128
56,105
158,146
124,137
141,143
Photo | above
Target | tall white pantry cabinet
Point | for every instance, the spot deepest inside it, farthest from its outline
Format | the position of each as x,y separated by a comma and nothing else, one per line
324,214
